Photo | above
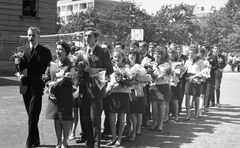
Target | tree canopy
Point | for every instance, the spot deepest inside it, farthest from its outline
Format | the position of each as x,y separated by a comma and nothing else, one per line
171,24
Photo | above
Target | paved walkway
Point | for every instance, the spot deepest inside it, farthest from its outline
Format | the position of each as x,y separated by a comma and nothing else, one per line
220,127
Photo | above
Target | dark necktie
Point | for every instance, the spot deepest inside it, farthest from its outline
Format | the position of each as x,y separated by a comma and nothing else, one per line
32,50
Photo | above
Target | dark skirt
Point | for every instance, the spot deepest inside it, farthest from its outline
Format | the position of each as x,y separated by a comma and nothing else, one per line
61,108
175,92
119,103
137,104
203,88
159,93
192,89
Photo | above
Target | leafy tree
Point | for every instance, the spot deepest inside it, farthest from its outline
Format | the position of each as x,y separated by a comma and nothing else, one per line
174,23
60,22
79,21
121,18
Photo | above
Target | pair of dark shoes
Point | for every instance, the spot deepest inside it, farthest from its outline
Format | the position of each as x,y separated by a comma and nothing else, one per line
212,105
129,138
30,146
90,146
81,140
36,144
152,128
115,143
138,133
104,135
166,121
187,119
205,109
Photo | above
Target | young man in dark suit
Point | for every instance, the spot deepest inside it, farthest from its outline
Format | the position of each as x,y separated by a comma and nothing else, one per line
213,60
33,64
218,75
91,105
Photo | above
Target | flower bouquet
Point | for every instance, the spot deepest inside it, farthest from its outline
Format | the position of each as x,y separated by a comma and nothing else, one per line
125,78
17,54
63,76
121,78
196,79
141,73
177,68
168,70
149,68
79,64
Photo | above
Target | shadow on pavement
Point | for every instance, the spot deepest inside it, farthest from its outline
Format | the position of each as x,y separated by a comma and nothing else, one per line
4,81
174,135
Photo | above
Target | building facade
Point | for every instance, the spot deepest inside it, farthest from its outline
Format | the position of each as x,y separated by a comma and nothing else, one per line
16,16
66,8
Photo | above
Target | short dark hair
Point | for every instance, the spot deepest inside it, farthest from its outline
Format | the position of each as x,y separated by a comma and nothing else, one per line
121,44
162,51
137,61
145,44
202,51
194,48
152,44
134,43
95,32
174,56
64,45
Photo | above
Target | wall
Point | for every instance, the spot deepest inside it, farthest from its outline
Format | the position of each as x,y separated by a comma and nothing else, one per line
13,24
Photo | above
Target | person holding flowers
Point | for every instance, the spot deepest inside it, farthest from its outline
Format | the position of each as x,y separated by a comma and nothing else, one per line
137,104
119,89
206,75
174,82
93,86
60,92
32,63
159,91
194,65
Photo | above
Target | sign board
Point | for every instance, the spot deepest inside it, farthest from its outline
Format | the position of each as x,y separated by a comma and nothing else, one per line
137,34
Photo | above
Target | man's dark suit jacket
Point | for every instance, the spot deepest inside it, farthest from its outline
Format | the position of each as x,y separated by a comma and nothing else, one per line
103,61
213,60
34,66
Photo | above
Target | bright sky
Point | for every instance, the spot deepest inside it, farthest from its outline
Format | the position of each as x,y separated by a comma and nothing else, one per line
154,5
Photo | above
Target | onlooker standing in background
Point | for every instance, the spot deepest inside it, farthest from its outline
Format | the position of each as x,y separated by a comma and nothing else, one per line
219,74
151,48
213,60
194,66
182,80
159,91
143,46
238,63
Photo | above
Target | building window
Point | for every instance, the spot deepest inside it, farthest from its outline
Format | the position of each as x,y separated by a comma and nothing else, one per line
90,5
75,7
29,8
69,7
63,8
83,6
